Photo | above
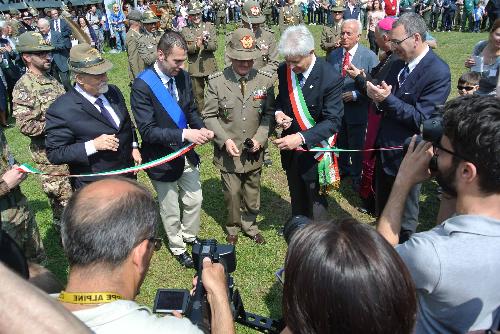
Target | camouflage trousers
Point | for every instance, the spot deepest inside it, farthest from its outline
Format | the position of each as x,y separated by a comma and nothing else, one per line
19,223
57,188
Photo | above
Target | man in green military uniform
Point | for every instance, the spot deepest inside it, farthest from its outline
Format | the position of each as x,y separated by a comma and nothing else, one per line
239,108
289,16
33,94
201,39
265,42
220,7
167,11
135,63
330,36
267,10
14,21
148,41
17,219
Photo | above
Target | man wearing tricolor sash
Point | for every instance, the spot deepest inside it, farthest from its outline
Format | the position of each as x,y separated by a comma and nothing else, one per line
309,108
162,101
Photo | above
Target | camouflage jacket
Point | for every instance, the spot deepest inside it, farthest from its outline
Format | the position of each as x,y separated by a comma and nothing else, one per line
6,161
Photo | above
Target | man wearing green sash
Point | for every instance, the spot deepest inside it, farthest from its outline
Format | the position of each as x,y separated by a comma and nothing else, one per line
309,108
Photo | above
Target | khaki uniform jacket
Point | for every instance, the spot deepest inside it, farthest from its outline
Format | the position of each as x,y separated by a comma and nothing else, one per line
290,15
233,116
135,63
146,47
266,44
201,61
330,36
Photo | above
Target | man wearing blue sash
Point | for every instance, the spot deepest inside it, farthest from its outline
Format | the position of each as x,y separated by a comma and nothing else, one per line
162,101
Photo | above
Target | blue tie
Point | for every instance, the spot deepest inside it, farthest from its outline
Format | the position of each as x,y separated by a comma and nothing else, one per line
170,87
404,74
300,77
106,113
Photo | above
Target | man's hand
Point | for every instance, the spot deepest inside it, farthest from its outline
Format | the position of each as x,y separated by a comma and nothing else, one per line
414,168
199,42
283,120
378,93
347,96
106,143
352,71
13,177
208,133
136,155
290,142
196,136
231,148
256,146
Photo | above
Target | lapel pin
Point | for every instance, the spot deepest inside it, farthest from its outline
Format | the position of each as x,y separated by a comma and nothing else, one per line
310,87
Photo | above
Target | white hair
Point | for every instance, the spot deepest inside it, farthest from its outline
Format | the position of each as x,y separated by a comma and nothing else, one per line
356,22
44,22
296,41
3,24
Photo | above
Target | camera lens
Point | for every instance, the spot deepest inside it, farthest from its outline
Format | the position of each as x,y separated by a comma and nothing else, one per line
248,143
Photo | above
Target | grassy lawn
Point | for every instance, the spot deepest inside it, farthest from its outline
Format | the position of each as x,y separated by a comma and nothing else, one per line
254,276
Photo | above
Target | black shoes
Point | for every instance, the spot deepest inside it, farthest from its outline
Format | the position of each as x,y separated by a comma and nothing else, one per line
195,241
185,260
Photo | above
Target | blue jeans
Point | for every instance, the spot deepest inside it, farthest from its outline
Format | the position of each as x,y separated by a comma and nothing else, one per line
120,40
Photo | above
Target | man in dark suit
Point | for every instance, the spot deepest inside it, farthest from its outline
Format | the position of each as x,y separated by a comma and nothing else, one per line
61,26
415,85
162,101
352,11
60,53
89,127
352,134
321,88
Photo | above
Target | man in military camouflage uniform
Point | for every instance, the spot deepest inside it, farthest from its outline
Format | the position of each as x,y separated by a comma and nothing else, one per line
201,39
17,219
135,63
167,15
267,10
148,41
239,109
32,96
14,21
220,7
290,15
330,36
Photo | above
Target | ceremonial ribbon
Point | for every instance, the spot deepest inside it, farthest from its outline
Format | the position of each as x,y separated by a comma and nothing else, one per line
28,169
335,149
328,171
88,298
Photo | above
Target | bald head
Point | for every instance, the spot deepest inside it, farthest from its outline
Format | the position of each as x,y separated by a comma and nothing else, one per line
105,220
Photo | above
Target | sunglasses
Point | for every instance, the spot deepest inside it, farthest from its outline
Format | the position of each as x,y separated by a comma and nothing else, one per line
467,88
156,243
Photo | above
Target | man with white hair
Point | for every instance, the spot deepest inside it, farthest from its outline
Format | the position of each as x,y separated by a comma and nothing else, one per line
309,108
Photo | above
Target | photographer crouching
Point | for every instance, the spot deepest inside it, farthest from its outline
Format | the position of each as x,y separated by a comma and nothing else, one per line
109,236
455,265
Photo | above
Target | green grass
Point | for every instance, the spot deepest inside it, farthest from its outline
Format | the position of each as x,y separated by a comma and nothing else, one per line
254,276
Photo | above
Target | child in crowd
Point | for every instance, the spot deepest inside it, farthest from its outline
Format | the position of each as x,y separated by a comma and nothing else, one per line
478,16
468,83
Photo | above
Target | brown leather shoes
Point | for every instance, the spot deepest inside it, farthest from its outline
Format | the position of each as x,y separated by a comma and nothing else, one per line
259,239
232,239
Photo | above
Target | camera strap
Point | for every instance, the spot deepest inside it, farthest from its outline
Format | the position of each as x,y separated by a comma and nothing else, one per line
88,298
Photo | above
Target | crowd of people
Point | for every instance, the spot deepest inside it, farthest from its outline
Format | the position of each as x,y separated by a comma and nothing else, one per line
366,101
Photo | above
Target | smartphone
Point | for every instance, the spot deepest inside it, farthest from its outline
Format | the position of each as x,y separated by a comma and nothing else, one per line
169,300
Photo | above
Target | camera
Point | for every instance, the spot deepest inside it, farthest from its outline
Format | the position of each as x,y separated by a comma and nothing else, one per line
248,144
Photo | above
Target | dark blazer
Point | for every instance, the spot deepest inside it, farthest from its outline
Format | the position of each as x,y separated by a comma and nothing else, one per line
60,54
65,31
72,120
354,15
160,135
378,74
427,86
355,112
323,95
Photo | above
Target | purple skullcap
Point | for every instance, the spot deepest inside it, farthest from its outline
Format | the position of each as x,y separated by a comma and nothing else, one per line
386,23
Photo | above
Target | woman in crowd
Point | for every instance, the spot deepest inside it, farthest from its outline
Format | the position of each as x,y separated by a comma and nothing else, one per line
345,278
84,25
375,14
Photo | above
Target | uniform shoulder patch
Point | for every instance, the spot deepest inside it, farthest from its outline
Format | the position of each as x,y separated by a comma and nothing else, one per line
214,75
265,73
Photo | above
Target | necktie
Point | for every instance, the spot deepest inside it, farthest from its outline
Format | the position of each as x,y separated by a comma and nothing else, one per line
403,75
300,77
57,25
170,87
345,63
106,113
243,83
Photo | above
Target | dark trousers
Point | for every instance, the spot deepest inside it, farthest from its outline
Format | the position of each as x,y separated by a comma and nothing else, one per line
435,19
62,77
383,187
371,40
467,16
304,194
447,23
352,137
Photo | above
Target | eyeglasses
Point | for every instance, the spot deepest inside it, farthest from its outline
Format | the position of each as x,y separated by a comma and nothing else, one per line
156,243
437,148
396,42
467,88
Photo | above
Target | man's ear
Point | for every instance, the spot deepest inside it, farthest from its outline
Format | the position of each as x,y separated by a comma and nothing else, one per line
161,55
141,254
467,172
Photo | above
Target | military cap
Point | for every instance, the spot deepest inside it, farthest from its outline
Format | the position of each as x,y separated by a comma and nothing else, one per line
194,8
33,11
242,45
14,12
31,41
149,17
85,59
251,13
339,6
134,15
27,15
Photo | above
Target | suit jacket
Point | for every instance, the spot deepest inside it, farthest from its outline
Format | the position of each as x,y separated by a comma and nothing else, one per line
354,15
65,31
323,95
427,86
378,74
60,54
72,120
355,112
160,135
